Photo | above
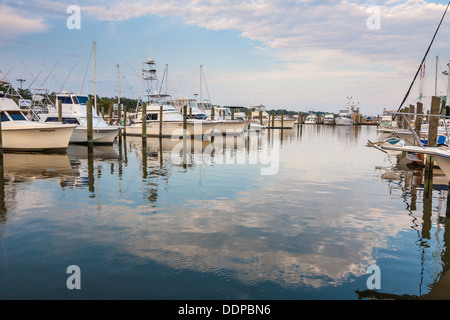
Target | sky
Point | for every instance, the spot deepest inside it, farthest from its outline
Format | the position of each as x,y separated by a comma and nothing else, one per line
300,55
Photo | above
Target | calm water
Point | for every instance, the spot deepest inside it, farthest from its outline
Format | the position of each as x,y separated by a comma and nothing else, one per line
253,217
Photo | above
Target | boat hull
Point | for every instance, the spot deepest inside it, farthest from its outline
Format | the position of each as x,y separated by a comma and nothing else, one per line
172,128
101,135
344,122
54,138
287,124
228,127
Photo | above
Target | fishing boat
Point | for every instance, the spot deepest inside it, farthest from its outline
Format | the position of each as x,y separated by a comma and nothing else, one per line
344,117
387,123
311,119
259,113
156,103
74,112
21,134
328,119
222,116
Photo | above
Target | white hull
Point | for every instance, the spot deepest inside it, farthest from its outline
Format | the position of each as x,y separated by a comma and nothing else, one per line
287,123
343,121
255,126
172,128
103,135
36,137
230,127
326,121
440,155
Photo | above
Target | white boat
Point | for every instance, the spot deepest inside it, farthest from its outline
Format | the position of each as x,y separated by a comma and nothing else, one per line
74,112
21,134
276,123
329,119
440,154
222,116
387,123
344,117
311,119
172,121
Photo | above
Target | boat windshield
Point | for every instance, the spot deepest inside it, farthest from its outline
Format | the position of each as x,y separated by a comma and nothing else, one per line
81,99
4,117
16,116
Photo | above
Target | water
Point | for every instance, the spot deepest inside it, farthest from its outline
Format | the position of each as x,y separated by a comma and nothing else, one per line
260,217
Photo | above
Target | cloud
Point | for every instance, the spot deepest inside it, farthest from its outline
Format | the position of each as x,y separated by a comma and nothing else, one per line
14,22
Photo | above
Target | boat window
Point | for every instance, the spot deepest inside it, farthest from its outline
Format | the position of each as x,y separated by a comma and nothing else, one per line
75,100
16,115
65,100
82,99
152,116
64,120
4,117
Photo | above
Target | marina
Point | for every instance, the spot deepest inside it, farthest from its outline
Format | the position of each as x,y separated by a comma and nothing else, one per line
305,168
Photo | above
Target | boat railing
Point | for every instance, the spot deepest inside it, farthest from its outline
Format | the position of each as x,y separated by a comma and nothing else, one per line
413,131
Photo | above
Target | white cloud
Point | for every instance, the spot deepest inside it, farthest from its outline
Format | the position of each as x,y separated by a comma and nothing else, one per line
14,22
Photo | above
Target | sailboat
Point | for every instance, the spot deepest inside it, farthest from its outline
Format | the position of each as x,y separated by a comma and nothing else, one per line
172,120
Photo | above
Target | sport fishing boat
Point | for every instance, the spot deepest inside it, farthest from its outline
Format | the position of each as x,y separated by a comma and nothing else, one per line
276,123
21,134
222,116
311,119
172,120
344,117
74,112
328,119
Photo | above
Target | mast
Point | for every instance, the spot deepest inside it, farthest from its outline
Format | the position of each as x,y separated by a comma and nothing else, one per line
435,78
167,75
448,87
95,79
201,83
118,86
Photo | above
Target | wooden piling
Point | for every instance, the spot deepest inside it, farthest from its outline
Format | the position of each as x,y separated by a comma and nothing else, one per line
184,120
110,113
282,120
90,133
232,114
124,120
273,120
432,138
434,121
59,111
213,113
144,121
119,116
418,121
160,120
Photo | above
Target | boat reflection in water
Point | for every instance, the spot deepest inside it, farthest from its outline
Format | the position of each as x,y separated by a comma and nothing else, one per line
428,203
197,218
